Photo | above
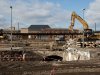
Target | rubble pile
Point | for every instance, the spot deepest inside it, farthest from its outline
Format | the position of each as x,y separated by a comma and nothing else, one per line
72,54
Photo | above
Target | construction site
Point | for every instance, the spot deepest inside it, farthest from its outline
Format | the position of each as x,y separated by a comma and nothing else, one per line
42,50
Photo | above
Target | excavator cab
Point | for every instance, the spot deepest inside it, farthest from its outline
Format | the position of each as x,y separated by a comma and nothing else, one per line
88,32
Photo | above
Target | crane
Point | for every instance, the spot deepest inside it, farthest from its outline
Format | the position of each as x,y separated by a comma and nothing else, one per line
75,16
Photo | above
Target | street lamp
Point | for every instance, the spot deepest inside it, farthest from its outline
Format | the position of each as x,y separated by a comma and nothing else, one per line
11,26
83,27
83,12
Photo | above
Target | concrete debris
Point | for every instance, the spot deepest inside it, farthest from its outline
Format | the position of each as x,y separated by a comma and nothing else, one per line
72,54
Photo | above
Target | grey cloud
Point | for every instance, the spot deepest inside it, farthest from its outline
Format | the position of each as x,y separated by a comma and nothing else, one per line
34,12
93,14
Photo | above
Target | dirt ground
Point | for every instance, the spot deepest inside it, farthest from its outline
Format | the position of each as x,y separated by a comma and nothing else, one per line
49,68
39,67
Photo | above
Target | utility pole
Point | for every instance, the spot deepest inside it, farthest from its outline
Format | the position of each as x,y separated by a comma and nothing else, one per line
95,26
18,26
11,26
18,35
83,28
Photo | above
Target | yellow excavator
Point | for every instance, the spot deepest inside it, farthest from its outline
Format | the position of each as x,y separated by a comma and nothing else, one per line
88,33
75,16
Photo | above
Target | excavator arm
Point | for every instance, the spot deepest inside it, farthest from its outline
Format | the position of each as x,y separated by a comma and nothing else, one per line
75,16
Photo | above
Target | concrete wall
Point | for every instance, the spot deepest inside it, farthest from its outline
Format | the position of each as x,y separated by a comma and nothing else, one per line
67,55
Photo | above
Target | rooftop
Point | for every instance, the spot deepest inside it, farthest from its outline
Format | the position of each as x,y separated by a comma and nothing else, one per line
38,27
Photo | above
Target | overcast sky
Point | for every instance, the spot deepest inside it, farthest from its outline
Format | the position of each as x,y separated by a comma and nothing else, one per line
56,13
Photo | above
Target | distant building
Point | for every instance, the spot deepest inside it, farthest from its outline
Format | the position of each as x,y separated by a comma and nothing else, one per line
59,30
34,28
62,30
24,30
13,28
37,28
8,30
47,29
